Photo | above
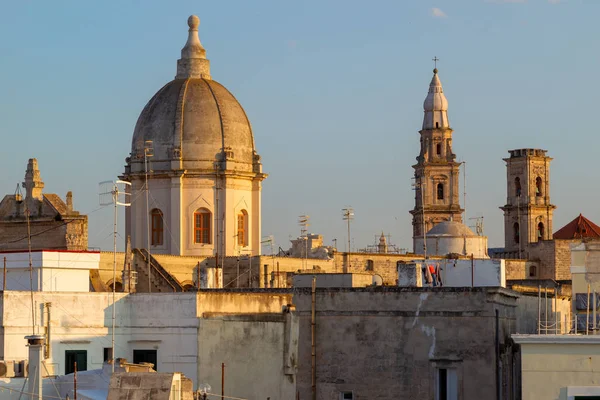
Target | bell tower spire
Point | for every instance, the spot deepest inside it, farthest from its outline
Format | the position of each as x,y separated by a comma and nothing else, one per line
436,171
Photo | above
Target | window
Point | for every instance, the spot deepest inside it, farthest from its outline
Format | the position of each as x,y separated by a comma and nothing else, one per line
75,356
107,354
438,149
346,396
516,232
540,231
157,227
202,219
437,124
532,271
518,186
370,265
440,191
147,356
538,186
447,384
242,228
118,286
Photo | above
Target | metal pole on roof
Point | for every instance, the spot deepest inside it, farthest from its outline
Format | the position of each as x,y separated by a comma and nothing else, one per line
539,308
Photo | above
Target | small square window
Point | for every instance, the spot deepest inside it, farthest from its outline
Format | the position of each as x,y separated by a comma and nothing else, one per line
346,396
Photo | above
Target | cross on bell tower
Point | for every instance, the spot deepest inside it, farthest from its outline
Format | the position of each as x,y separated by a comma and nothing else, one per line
436,171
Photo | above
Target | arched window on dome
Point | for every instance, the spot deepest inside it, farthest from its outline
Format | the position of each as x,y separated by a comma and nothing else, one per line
538,186
540,231
202,226
440,191
518,186
156,219
516,232
242,228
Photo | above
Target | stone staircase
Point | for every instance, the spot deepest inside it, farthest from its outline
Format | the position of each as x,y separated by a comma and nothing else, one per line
160,279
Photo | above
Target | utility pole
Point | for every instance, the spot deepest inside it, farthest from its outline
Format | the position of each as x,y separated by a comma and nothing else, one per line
148,152
114,193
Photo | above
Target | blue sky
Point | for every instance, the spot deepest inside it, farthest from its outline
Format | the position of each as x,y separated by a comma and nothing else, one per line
334,91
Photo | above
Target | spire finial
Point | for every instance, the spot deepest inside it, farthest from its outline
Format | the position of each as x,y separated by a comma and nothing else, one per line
193,22
435,60
193,62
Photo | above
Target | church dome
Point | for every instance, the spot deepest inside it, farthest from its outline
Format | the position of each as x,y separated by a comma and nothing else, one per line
450,228
193,119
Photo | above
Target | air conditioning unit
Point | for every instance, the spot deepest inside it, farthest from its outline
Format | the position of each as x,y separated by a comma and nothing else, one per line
7,369
48,369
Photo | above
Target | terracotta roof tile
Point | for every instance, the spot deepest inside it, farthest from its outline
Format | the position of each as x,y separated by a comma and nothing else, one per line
580,227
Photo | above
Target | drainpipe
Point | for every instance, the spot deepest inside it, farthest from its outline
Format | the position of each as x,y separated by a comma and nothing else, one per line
313,338
498,377
48,352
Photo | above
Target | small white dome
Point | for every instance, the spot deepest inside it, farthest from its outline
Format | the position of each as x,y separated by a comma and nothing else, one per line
450,228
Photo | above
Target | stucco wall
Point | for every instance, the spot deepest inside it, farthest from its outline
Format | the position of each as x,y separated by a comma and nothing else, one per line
548,368
252,348
387,342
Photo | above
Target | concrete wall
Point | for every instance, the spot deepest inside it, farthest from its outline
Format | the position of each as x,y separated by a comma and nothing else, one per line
253,349
456,273
550,313
333,280
384,343
554,366
166,322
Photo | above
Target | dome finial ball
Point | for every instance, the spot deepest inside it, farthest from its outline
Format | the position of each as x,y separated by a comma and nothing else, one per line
435,70
193,22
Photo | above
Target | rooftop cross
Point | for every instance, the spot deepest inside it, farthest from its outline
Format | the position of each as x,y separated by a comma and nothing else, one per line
435,60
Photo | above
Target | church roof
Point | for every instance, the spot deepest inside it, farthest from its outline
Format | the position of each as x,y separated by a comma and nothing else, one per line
580,227
450,228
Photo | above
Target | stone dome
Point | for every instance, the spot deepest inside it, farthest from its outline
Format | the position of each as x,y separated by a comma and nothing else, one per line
450,228
194,120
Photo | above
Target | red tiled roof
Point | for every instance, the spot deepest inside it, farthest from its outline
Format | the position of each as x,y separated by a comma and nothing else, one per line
580,227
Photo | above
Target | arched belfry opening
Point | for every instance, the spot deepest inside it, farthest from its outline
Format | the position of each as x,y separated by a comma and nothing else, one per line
518,186
538,187
516,234
540,231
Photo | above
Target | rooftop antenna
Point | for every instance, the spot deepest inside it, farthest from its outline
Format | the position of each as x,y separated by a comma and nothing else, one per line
117,193
303,222
478,225
348,215
148,152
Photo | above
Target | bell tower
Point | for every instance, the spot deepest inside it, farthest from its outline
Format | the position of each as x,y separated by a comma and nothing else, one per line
436,171
528,211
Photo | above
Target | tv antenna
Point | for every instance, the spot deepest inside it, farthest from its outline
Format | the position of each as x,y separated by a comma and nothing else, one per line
348,215
478,225
117,193
303,222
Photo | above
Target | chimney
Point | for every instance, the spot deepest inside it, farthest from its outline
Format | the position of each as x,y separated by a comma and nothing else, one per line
36,354
69,202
